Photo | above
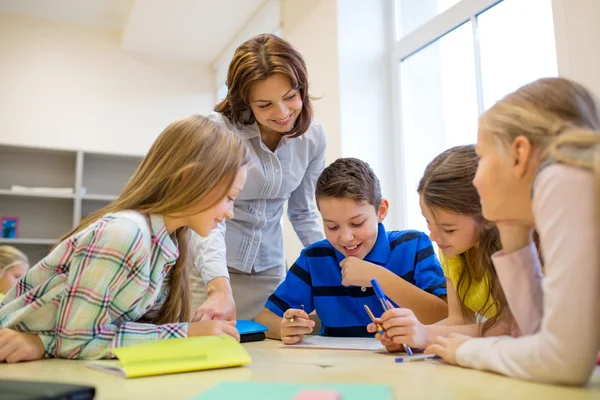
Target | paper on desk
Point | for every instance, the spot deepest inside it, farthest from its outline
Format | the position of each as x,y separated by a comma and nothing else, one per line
338,343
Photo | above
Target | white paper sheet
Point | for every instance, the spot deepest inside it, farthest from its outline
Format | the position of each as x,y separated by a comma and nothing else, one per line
338,343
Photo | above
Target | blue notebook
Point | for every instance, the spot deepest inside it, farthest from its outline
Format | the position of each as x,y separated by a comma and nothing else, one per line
251,331
246,327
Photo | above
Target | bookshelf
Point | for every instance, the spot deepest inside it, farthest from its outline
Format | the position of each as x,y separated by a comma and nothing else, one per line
45,215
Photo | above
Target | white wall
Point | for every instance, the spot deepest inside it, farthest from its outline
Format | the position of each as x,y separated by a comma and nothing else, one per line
577,33
311,26
266,20
364,40
70,86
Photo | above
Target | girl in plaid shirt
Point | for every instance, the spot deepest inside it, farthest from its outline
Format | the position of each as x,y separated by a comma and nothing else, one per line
121,276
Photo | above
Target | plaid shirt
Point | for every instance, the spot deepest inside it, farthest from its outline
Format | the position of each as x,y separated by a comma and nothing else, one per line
91,292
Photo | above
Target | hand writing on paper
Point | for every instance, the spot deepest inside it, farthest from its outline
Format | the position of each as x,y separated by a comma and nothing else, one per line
387,342
207,328
447,347
294,325
17,346
402,327
357,272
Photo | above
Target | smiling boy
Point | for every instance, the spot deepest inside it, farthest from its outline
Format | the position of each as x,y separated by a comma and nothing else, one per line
333,276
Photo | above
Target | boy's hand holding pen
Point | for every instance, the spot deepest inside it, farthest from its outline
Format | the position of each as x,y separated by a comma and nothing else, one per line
294,325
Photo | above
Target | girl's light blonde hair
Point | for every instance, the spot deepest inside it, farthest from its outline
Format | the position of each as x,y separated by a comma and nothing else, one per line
10,257
192,158
559,117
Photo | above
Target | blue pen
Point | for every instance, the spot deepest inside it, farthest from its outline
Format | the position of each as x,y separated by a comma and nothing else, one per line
419,357
381,296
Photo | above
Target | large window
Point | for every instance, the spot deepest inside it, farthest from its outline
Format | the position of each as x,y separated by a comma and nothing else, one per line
516,42
454,59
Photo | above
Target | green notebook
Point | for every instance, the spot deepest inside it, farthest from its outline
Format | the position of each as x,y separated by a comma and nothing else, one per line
287,391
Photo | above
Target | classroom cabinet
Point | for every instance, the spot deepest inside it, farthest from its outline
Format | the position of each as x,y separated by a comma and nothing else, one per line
44,193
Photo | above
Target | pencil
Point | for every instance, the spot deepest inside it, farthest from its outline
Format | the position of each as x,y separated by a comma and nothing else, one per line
302,308
368,310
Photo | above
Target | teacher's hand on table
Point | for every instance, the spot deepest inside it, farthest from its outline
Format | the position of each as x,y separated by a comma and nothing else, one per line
219,305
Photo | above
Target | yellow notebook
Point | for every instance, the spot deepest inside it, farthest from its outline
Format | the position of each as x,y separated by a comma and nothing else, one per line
175,355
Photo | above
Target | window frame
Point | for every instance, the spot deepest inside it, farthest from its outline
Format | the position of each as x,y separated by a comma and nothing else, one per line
438,26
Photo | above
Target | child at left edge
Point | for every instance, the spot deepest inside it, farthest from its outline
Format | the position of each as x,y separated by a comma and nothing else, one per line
333,276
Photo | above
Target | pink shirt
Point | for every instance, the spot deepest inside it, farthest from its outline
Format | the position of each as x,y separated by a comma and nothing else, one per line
558,314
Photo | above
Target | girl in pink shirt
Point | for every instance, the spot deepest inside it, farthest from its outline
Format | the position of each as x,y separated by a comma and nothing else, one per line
539,168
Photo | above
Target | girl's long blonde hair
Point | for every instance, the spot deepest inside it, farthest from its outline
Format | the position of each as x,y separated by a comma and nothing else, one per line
559,117
191,158
10,257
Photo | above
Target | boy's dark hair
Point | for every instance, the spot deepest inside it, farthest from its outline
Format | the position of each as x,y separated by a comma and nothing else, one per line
349,178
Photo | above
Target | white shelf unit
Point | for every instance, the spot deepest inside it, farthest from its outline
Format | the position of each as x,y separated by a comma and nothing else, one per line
96,179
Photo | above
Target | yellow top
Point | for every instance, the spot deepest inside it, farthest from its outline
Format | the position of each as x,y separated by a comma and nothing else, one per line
1,296
476,296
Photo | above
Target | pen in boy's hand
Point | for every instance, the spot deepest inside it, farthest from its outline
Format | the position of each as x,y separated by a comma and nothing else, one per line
302,308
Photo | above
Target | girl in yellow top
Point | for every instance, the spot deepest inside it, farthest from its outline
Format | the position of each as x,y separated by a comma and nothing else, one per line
13,265
476,296
476,304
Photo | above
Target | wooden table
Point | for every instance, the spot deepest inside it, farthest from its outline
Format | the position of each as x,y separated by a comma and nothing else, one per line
272,362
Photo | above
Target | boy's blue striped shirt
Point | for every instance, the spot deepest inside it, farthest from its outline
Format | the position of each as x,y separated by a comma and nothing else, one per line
315,281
